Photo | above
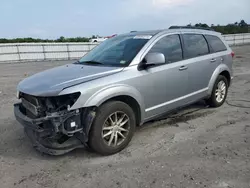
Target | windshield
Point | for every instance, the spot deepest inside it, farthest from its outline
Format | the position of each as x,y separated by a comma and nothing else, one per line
116,51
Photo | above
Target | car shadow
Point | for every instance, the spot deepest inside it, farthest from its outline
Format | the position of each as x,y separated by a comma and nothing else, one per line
193,111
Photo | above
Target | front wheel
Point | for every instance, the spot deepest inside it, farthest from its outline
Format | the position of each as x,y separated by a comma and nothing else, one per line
219,93
113,128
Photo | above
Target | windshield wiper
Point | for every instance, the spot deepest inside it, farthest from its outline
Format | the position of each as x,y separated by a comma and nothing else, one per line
77,62
92,62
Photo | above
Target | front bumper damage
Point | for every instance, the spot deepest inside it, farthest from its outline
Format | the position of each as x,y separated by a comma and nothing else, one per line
54,134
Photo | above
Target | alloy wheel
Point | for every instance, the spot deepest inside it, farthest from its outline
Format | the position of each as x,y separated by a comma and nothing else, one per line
220,91
116,128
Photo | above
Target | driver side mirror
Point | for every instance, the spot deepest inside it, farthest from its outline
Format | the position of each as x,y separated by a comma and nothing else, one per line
155,58
151,59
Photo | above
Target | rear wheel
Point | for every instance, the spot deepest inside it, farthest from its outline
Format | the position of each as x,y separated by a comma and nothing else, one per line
113,128
219,92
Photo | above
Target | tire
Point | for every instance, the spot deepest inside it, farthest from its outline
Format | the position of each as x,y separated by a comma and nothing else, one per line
102,124
213,100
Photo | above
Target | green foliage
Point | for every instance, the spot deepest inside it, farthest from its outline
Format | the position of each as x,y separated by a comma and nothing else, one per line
201,25
237,27
32,40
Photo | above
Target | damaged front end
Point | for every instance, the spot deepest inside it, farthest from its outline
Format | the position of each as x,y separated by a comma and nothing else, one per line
51,126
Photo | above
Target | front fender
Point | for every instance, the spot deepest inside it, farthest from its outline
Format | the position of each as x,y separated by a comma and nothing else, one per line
216,73
109,92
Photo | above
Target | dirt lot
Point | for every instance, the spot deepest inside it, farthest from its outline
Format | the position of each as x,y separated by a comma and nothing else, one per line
198,147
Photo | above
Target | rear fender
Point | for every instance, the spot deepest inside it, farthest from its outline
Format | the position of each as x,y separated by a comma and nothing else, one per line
218,70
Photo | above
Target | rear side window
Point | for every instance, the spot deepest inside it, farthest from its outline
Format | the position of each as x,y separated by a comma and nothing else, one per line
170,46
195,45
215,43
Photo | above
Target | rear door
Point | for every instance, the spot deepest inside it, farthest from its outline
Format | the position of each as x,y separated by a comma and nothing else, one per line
218,49
201,64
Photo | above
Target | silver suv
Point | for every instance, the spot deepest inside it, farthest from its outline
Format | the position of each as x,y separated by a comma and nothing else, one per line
122,83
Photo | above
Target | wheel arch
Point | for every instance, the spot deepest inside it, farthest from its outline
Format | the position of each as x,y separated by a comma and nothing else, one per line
131,102
227,75
123,93
220,70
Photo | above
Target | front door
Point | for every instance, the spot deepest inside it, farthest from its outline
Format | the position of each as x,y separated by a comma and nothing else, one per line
164,86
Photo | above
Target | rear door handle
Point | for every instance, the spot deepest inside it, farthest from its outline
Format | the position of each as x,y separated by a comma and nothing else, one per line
212,60
183,68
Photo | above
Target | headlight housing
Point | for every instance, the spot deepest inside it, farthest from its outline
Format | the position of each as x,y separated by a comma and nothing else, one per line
17,94
62,102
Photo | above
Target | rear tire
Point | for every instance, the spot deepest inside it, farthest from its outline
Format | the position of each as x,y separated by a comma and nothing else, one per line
219,93
113,128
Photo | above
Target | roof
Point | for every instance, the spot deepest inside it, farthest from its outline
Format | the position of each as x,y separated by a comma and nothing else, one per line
165,31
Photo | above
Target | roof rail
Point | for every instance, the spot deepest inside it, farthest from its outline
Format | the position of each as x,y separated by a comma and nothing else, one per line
191,27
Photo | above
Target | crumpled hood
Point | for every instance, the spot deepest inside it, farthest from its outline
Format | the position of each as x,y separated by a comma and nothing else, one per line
52,81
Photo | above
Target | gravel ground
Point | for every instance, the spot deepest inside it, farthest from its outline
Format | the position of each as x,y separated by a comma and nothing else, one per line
197,147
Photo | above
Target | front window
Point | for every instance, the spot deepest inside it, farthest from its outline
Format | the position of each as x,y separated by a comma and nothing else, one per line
116,51
170,46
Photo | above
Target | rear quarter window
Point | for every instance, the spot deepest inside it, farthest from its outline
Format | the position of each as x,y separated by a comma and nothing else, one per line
215,43
195,45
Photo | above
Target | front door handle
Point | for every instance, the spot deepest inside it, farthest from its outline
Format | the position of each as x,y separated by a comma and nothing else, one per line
183,68
212,60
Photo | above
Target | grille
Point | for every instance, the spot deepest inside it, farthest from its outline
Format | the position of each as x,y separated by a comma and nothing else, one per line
33,100
31,104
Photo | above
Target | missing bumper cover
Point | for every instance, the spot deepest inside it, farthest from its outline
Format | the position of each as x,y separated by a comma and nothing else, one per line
47,132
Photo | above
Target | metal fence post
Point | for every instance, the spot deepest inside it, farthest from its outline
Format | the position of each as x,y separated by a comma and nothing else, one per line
18,53
68,51
44,55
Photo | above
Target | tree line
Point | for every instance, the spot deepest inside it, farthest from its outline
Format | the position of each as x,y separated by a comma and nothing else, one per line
232,28
29,40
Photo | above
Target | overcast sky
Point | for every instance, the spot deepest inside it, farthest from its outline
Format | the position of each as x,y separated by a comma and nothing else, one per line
71,18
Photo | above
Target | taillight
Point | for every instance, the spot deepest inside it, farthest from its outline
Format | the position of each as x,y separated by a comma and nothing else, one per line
232,54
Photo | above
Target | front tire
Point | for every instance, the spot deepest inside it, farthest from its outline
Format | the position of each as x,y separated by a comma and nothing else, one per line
113,128
219,93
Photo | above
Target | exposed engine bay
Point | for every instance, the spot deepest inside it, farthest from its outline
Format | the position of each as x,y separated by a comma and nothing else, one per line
51,125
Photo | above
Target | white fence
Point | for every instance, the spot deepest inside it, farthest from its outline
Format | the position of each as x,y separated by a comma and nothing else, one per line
237,39
20,52
43,51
